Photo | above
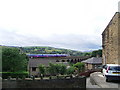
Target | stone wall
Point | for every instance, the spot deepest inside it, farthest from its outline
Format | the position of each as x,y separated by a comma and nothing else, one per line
51,83
119,39
111,41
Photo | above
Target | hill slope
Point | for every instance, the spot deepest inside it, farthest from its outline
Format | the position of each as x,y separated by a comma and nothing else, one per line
50,50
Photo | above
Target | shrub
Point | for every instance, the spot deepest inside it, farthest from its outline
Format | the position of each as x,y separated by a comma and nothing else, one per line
42,69
80,66
70,70
55,69
5,75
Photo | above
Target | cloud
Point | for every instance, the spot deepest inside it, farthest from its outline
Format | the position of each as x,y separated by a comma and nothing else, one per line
68,41
74,24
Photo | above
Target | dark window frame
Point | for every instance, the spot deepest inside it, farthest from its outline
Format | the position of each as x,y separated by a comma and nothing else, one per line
33,68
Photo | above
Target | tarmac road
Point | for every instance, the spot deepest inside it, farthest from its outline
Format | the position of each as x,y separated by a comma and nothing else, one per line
111,84
98,79
89,85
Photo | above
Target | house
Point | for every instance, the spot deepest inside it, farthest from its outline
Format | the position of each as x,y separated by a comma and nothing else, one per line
111,41
34,62
93,63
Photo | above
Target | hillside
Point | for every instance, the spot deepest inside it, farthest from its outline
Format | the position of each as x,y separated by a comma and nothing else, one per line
50,50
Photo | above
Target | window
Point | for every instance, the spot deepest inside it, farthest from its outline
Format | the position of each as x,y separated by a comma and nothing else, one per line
68,60
33,68
116,68
105,67
57,60
63,60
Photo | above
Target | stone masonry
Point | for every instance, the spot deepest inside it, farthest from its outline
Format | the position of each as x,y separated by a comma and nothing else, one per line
111,41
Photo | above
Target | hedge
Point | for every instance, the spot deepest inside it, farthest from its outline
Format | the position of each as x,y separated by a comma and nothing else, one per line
5,75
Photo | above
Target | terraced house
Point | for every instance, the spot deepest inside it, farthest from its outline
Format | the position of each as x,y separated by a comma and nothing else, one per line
111,41
36,59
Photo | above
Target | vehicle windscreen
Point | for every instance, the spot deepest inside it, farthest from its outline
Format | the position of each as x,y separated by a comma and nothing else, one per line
116,68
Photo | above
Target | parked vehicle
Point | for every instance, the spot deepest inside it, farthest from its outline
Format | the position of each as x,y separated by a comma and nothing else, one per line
111,72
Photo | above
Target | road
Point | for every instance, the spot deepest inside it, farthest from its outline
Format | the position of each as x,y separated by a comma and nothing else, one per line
89,85
112,84
101,82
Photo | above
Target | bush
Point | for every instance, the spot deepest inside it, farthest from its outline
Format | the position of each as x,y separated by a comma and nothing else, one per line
70,70
56,69
80,66
42,69
5,75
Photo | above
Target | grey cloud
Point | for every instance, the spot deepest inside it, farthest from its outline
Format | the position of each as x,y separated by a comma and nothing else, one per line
13,38
70,41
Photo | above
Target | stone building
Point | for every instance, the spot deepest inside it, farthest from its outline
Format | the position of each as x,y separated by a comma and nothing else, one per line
93,63
111,41
34,62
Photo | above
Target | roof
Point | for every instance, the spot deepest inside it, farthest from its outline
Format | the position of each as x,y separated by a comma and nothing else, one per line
36,62
110,21
93,60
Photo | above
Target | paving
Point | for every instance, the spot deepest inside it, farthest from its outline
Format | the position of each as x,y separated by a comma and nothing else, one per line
89,84
97,78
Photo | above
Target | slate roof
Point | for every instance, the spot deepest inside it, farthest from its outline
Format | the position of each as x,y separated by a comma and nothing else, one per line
36,62
110,22
93,60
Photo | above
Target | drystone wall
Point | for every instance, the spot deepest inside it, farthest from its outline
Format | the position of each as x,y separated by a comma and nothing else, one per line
79,82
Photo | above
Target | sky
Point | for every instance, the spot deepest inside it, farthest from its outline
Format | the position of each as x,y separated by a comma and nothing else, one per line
69,24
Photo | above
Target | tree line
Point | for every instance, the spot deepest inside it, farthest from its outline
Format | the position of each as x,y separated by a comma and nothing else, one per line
52,50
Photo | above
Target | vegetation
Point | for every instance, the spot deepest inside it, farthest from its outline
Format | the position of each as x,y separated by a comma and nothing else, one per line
13,60
79,66
51,50
5,75
97,52
42,70
70,70
56,69
61,69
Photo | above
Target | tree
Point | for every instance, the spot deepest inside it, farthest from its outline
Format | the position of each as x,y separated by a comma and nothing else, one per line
97,52
79,66
52,69
42,70
87,54
13,60
55,69
70,70
62,68
100,52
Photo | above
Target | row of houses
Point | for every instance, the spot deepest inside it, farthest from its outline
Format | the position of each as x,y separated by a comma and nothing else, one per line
34,62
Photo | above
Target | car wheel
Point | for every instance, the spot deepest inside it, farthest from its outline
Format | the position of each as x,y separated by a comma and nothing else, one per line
107,80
